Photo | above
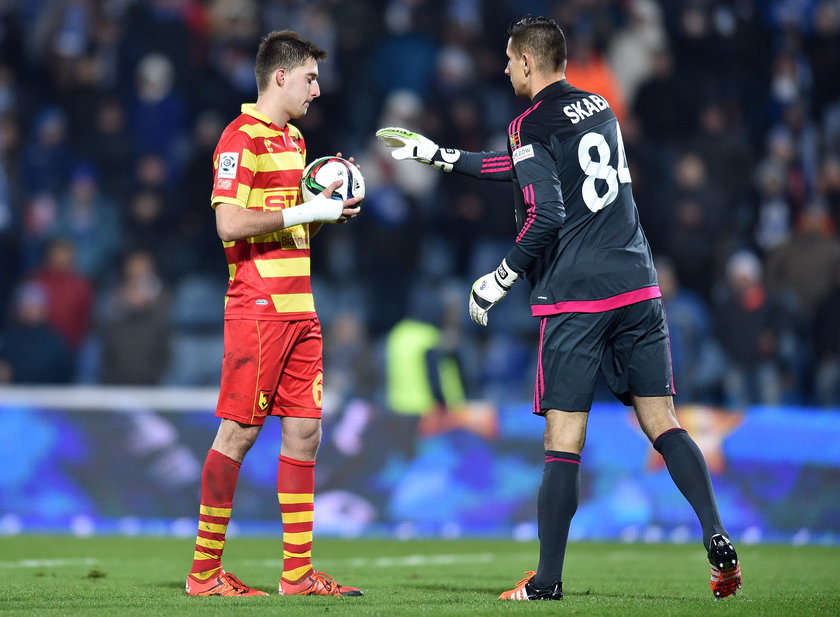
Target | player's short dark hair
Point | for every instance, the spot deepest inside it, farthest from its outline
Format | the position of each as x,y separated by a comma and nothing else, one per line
283,49
542,37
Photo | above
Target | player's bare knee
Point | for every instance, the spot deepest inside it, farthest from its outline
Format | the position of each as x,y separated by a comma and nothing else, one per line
301,438
234,439
655,414
565,431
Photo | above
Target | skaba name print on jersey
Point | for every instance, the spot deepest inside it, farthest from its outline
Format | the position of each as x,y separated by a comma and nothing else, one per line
585,107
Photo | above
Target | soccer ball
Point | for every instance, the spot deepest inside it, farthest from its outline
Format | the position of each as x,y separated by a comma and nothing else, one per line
322,172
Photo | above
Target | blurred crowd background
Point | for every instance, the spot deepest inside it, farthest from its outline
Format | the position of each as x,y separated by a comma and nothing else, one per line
111,270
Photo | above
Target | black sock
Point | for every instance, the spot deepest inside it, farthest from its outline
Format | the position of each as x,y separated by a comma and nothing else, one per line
691,475
556,505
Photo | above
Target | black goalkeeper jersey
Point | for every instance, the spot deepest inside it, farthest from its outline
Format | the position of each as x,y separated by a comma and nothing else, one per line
579,242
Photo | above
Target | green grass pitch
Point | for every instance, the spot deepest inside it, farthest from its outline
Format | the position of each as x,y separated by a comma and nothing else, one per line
117,577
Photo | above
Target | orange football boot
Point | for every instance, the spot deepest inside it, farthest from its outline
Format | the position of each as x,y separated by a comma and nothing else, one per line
726,567
316,584
221,584
525,590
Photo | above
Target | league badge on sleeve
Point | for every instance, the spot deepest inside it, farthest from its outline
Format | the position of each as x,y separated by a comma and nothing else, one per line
515,141
228,164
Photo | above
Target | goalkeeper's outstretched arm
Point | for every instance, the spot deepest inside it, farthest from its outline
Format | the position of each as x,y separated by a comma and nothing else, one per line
414,146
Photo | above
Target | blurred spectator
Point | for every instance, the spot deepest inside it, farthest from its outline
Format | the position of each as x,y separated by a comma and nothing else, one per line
823,48
69,293
90,221
10,211
40,218
109,147
194,220
723,145
404,58
157,112
422,369
633,48
696,220
664,108
828,188
750,324
695,355
388,241
774,213
135,329
826,341
47,158
148,229
807,263
588,70
31,350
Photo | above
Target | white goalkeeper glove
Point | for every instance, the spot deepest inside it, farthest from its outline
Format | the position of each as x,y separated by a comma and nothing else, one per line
413,146
488,290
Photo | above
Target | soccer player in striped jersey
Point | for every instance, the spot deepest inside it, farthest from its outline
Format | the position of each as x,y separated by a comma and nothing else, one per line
593,286
273,361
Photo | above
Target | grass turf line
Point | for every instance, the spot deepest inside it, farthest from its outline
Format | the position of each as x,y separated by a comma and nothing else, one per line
127,577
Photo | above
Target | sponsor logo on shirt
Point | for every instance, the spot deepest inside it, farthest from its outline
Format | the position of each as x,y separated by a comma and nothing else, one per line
224,185
525,152
228,162
261,301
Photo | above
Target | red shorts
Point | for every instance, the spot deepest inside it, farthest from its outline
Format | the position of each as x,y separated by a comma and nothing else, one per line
271,368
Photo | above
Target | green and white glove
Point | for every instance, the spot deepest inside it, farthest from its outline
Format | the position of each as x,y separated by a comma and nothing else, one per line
415,147
488,290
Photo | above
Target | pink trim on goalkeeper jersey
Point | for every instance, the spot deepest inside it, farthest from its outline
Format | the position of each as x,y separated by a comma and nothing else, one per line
514,126
597,306
531,214
496,164
539,386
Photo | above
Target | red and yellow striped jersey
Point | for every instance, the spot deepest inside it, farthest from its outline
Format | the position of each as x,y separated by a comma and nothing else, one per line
258,165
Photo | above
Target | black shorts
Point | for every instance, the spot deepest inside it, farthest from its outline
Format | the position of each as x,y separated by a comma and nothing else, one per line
629,345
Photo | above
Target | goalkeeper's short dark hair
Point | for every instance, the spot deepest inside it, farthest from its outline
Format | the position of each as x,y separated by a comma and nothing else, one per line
543,38
284,49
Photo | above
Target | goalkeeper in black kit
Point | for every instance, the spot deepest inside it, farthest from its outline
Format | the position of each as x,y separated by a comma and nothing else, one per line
593,287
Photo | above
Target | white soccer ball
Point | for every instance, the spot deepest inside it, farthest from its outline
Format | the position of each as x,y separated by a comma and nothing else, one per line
322,172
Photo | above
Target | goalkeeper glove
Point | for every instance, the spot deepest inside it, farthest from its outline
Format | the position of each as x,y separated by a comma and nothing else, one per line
410,145
488,290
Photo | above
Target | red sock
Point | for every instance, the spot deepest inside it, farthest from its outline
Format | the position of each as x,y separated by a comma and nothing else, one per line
295,491
218,483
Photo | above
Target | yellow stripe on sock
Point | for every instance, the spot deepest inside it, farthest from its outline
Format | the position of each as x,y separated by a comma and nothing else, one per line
303,555
211,527
198,555
297,538
203,576
209,543
298,517
296,497
210,511
296,574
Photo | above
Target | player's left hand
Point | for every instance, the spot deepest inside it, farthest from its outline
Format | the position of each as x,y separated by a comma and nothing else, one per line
488,290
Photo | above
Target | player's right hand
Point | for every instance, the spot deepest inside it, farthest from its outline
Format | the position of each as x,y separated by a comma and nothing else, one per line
414,146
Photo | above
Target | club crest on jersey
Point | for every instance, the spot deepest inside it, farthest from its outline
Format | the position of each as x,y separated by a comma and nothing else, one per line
515,142
228,162
264,398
